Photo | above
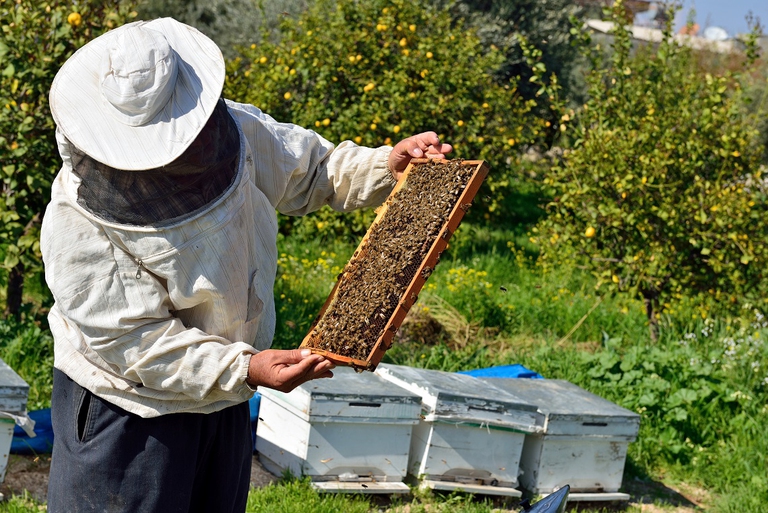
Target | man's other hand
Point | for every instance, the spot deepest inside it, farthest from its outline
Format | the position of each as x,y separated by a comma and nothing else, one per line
426,144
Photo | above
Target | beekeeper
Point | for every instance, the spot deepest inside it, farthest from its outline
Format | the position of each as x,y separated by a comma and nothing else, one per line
159,247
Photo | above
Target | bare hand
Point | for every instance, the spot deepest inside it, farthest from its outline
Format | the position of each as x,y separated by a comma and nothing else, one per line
426,144
284,370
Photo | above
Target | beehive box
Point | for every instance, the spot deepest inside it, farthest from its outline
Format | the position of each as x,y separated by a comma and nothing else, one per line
349,433
13,400
13,391
384,276
471,434
583,443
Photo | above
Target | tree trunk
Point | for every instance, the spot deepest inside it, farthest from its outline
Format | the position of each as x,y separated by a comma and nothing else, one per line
14,291
650,312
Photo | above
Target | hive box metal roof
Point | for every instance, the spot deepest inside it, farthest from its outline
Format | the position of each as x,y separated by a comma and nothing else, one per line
567,409
349,394
449,396
13,390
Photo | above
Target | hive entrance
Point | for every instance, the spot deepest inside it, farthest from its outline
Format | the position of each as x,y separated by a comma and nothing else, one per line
398,253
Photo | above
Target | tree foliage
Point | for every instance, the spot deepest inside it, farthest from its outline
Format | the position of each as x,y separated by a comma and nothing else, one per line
37,37
662,194
228,22
376,71
544,24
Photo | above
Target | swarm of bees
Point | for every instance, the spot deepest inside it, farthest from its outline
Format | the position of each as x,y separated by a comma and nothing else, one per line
377,276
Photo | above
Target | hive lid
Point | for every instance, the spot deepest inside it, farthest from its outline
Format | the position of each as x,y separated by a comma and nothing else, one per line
569,409
448,396
349,394
13,390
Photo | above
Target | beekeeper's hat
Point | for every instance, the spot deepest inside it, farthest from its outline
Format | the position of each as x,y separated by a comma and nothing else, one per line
136,97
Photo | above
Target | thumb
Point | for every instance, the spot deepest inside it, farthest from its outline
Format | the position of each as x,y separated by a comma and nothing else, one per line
297,355
415,151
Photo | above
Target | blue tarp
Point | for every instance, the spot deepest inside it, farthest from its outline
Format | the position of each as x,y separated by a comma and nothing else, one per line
42,443
254,404
504,371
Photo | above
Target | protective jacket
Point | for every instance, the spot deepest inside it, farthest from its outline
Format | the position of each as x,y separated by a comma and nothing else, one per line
163,319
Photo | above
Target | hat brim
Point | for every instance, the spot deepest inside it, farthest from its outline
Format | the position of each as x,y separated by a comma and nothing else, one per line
81,113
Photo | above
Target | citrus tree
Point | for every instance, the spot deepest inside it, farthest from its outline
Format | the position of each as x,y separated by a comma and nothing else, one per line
662,193
37,37
543,23
376,71
227,22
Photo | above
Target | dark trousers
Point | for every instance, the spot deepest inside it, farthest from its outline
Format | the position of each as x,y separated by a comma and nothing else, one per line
108,460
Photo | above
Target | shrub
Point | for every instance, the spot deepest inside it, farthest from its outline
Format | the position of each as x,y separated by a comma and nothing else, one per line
228,22
28,350
661,195
37,37
376,71
544,23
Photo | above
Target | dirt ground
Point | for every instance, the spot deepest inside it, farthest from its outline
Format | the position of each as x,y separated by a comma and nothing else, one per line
28,474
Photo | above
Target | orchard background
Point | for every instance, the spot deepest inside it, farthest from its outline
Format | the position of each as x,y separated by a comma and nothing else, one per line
619,242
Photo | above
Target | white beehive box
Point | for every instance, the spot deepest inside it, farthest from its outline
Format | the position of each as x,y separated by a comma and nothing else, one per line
13,401
583,444
348,433
471,434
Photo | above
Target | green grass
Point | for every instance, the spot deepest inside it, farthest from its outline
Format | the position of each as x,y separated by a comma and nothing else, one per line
701,389
21,504
298,496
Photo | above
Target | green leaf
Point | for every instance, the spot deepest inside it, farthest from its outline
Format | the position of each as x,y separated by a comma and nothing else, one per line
11,260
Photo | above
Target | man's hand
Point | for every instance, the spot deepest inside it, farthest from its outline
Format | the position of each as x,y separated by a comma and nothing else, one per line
285,370
426,144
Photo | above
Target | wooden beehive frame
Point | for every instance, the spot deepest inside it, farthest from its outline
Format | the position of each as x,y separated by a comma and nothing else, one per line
409,297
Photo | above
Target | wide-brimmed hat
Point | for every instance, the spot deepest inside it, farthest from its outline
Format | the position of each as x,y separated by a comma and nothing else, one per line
136,97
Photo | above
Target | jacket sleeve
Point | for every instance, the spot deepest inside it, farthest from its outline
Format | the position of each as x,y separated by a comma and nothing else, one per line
299,171
124,324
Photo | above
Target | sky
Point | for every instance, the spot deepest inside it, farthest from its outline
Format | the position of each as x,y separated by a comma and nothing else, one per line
727,14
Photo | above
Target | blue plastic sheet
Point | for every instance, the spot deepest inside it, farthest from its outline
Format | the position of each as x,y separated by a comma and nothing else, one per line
42,443
504,371
254,404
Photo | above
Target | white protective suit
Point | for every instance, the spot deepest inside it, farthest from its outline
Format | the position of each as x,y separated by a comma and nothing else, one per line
160,320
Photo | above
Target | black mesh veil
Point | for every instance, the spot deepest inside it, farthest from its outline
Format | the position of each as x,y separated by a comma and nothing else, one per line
157,196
